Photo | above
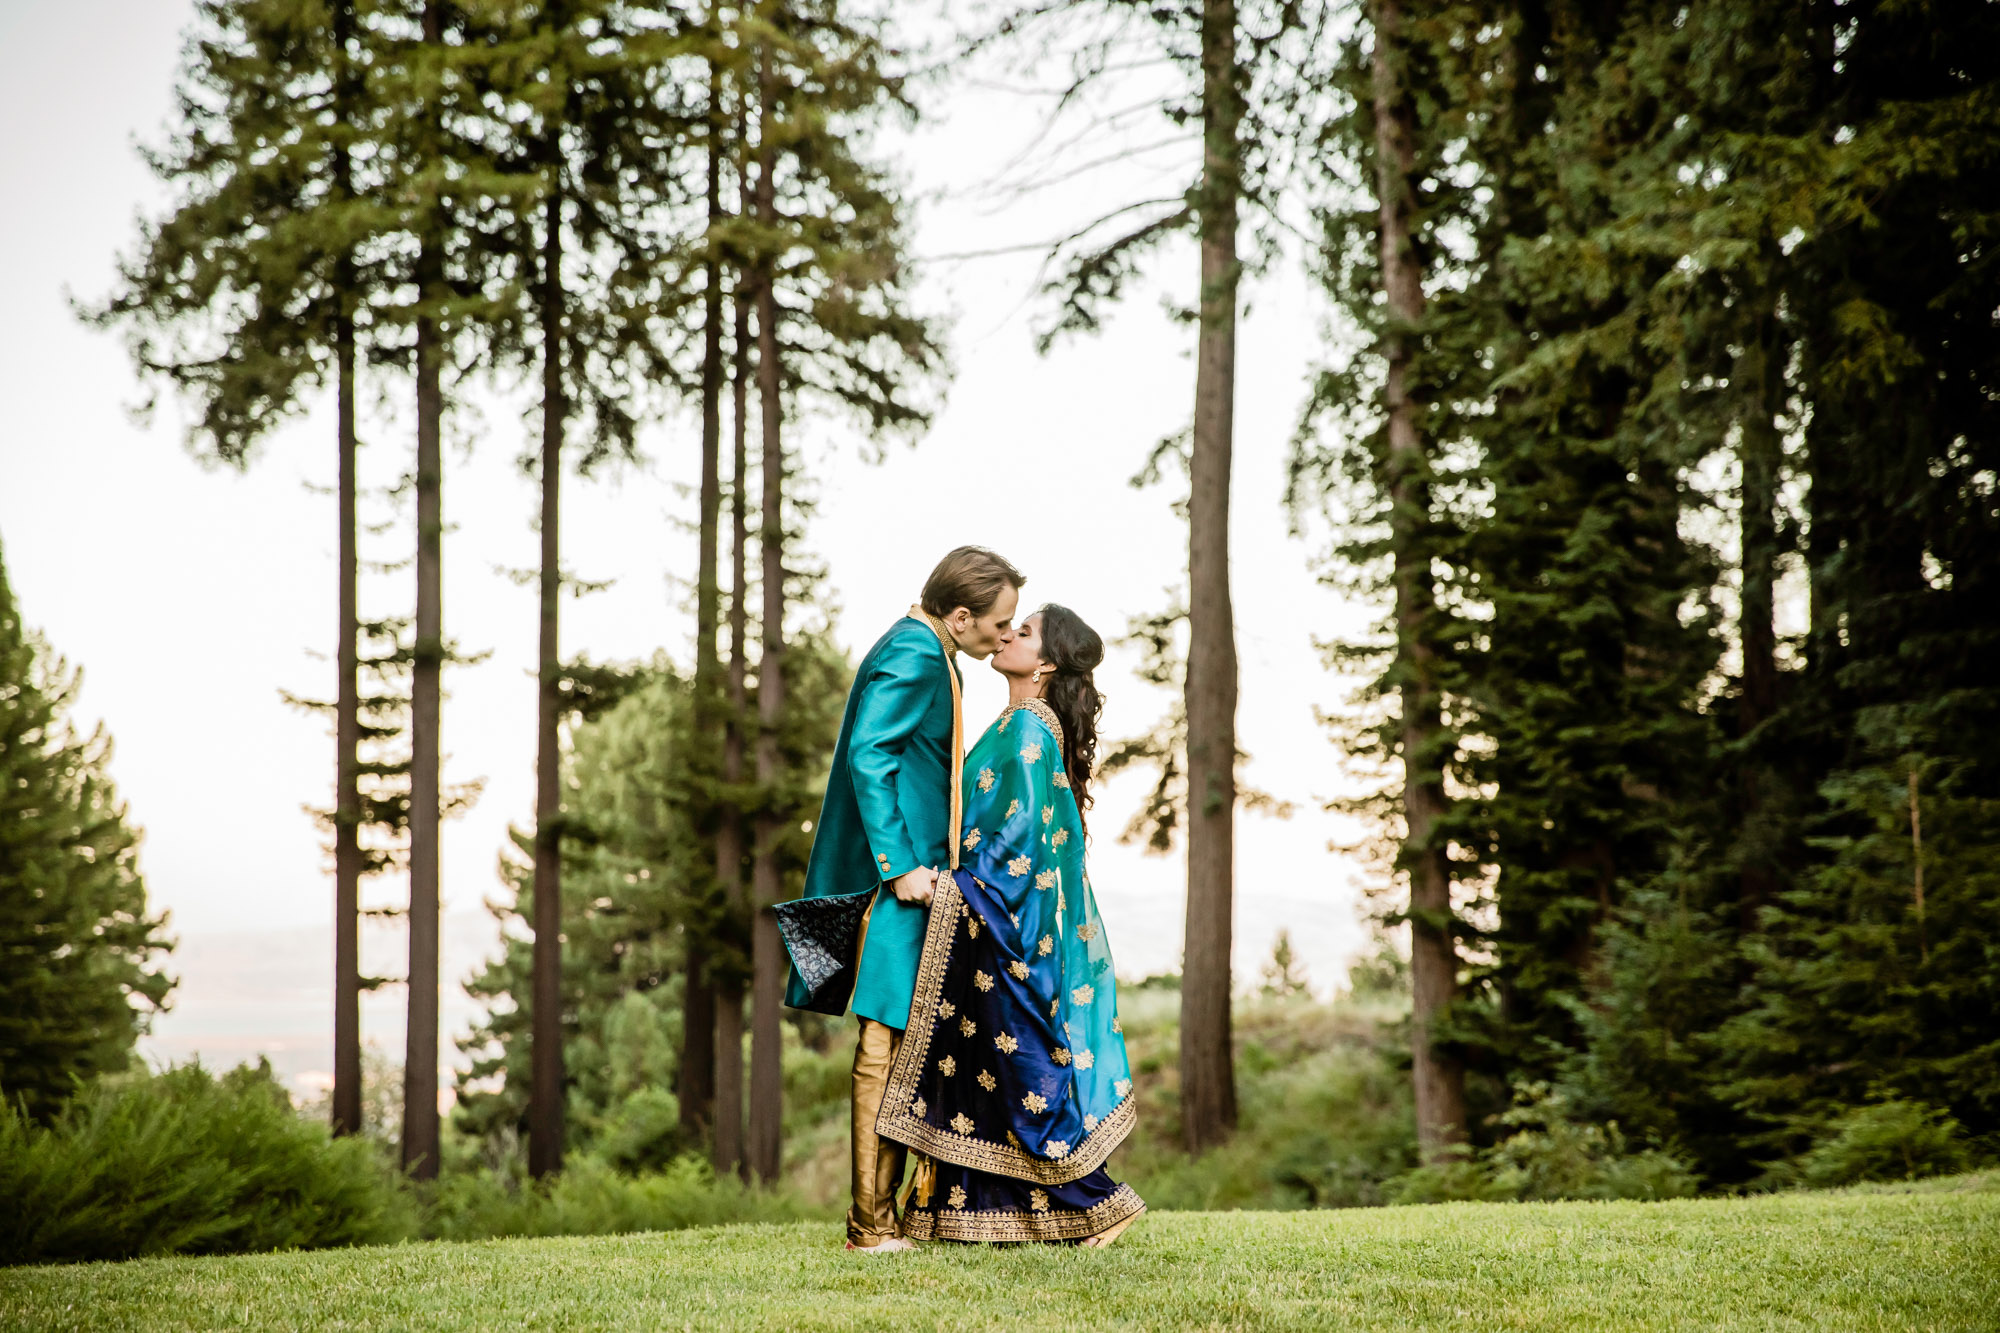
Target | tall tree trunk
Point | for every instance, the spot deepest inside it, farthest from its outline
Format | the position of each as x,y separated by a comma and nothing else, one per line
729,833
545,1094
420,1059
1208,1080
1758,377
420,1054
767,954
347,1090
700,1036
1438,1077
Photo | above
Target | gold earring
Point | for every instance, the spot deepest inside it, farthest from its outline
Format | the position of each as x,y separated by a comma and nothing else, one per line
1036,679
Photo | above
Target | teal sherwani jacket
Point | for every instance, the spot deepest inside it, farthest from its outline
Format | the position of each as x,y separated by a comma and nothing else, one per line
888,808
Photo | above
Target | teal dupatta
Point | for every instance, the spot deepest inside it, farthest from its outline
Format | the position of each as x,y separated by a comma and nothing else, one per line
1014,1060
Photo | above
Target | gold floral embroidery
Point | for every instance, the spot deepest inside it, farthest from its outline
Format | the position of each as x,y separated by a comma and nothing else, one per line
1048,813
1123,1087
1118,1026
1005,1041
1035,1102
1019,866
967,1026
1084,1060
1019,969
1062,836
1057,1149
981,980
1062,779
1057,1224
987,1081
1089,1123
972,927
957,1199
1016,1142
917,1108
946,1008
1054,1005
1046,880
1013,809
1087,931
986,779
1032,752
1082,995
1046,945
913,1063
1038,1200
972,840
962,1123
947,1066
1060,1055
1060,904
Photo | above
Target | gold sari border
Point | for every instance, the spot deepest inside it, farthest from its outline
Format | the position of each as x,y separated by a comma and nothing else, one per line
1055,1224
895,1120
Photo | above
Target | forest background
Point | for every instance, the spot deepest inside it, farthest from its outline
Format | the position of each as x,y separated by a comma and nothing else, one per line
1640,472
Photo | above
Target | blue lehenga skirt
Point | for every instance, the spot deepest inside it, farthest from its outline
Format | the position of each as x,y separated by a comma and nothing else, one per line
976,1055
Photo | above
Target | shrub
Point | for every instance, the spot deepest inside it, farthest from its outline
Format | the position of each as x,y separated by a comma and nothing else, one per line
183,1162
1551,1155
592,1198
1892,1140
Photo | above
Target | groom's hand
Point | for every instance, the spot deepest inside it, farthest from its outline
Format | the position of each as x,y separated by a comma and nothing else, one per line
915,887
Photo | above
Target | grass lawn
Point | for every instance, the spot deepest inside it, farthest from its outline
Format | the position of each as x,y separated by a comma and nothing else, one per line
1920,1257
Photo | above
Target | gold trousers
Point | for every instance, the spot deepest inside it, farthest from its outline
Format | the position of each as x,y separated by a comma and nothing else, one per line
878,1162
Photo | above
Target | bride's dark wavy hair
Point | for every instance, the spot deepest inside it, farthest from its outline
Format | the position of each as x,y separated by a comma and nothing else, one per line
1074,649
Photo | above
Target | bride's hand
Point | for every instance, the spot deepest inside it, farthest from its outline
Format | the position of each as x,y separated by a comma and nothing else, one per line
915,887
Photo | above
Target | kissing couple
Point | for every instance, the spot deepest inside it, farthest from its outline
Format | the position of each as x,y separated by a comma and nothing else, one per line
948,905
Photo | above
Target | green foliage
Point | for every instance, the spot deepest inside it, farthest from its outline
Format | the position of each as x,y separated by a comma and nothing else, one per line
1550,1154
1325,1107
1892,1140
1855,998
594,1197
79,977
1705,313
636,896
184,1162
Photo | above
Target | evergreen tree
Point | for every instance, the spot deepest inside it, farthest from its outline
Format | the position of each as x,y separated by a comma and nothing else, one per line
239,296
80,970
1232,57
824,247
634,851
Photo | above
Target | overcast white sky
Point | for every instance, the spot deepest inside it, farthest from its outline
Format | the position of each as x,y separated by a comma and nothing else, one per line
192,597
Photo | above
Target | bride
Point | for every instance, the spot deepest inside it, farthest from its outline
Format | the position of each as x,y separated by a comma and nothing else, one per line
1012,1082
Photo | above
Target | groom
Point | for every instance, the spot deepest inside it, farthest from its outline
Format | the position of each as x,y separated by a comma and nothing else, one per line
888,822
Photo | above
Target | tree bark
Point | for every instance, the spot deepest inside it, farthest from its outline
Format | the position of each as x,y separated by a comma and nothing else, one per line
1758,377
1208,1082
545,1092
420,1054
700,1042
347,1090
767,954
1438,1076
420,1060
729,841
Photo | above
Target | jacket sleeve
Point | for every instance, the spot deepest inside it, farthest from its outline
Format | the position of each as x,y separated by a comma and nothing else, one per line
896,696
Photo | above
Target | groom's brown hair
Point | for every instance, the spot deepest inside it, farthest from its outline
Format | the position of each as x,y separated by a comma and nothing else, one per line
971,577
